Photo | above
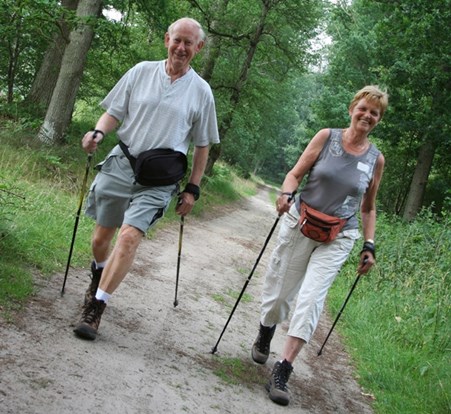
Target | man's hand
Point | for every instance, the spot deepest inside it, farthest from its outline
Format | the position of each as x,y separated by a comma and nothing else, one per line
91,140
185,204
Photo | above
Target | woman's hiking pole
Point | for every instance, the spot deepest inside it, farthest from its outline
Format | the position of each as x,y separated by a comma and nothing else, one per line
182,222
77,218
341,310
245,285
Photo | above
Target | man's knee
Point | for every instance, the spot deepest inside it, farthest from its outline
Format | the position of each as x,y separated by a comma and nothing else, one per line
129,237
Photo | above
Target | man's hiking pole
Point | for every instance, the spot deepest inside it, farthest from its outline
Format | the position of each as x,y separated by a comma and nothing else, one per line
77,218
341,310
214,349
182,222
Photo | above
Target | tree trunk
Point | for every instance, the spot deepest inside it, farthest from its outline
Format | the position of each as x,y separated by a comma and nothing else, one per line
44,83
237,88
61,106
213,51
419,181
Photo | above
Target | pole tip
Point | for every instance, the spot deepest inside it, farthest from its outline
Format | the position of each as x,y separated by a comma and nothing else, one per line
213,350
176,302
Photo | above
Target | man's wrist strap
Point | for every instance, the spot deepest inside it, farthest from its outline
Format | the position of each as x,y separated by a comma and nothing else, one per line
192,189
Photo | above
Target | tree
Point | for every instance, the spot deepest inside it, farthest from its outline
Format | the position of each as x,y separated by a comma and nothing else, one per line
61,106
24,30
263,44
45,80
419,68
403,46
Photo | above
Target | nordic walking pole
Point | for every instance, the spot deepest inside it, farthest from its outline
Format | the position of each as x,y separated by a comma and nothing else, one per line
214,349
182,222
341,310
77,219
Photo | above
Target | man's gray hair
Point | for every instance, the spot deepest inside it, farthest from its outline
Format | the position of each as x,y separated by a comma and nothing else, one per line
202,35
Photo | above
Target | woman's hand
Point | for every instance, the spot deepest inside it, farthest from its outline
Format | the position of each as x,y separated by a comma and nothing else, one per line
284,202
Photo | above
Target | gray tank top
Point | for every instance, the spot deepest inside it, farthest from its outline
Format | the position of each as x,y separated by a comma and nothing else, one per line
338,180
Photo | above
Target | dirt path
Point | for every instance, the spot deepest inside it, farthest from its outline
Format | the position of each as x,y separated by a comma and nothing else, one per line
153,358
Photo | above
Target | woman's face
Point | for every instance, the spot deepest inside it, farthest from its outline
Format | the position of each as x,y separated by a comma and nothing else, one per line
365,115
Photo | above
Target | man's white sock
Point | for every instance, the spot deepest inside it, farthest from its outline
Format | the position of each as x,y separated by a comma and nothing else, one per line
101,295
100,265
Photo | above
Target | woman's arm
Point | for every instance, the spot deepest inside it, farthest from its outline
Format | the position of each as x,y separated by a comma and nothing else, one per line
368,213
304,164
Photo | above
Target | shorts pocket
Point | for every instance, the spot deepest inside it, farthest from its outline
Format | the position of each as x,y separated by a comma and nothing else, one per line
105,165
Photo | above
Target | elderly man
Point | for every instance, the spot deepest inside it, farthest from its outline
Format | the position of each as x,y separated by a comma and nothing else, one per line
155,105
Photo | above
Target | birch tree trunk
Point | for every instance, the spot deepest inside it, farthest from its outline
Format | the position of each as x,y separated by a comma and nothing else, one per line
61,106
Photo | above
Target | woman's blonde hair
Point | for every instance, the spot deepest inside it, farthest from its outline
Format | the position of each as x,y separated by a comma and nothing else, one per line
372,93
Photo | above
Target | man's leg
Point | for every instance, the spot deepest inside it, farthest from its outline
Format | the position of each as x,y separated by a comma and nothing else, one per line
100,244
118,265
121,258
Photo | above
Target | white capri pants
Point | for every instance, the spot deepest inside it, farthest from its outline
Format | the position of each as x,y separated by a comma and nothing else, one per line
303,267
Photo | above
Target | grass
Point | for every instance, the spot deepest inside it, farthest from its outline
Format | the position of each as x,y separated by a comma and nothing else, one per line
39,198
397,322
231,294
234,371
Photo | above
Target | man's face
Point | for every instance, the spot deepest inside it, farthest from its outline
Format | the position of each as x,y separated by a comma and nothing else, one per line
182,44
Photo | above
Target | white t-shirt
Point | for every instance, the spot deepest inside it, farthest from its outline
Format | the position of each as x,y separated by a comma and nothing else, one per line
155,113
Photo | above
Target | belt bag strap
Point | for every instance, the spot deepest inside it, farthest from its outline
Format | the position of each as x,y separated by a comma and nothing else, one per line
126,152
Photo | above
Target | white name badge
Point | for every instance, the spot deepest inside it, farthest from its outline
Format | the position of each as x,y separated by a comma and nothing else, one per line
363,167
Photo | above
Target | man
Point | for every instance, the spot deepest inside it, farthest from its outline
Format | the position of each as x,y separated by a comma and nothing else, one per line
162,104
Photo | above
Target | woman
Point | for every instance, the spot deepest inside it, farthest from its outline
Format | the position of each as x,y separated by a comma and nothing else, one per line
344,171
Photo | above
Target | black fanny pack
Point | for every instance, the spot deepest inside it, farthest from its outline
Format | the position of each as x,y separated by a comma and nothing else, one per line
157,167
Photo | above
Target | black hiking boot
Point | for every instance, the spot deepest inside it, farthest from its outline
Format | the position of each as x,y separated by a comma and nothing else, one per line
90,319
260,348
277,385
96,274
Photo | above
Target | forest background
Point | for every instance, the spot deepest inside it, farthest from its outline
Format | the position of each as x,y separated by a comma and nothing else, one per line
279,70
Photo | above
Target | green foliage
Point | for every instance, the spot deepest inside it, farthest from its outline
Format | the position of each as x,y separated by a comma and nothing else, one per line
397,322
404,47
39,196
25,28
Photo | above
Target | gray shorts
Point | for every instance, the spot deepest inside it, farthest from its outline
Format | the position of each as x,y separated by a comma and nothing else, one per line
114,198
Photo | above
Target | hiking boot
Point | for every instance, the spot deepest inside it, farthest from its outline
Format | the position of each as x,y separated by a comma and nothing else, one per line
260,348
90,319
277,385
96,274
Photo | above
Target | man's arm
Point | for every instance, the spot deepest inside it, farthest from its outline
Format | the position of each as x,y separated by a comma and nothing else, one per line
187,197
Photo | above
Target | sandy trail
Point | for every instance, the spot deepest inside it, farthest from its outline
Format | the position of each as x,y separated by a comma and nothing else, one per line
151,357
